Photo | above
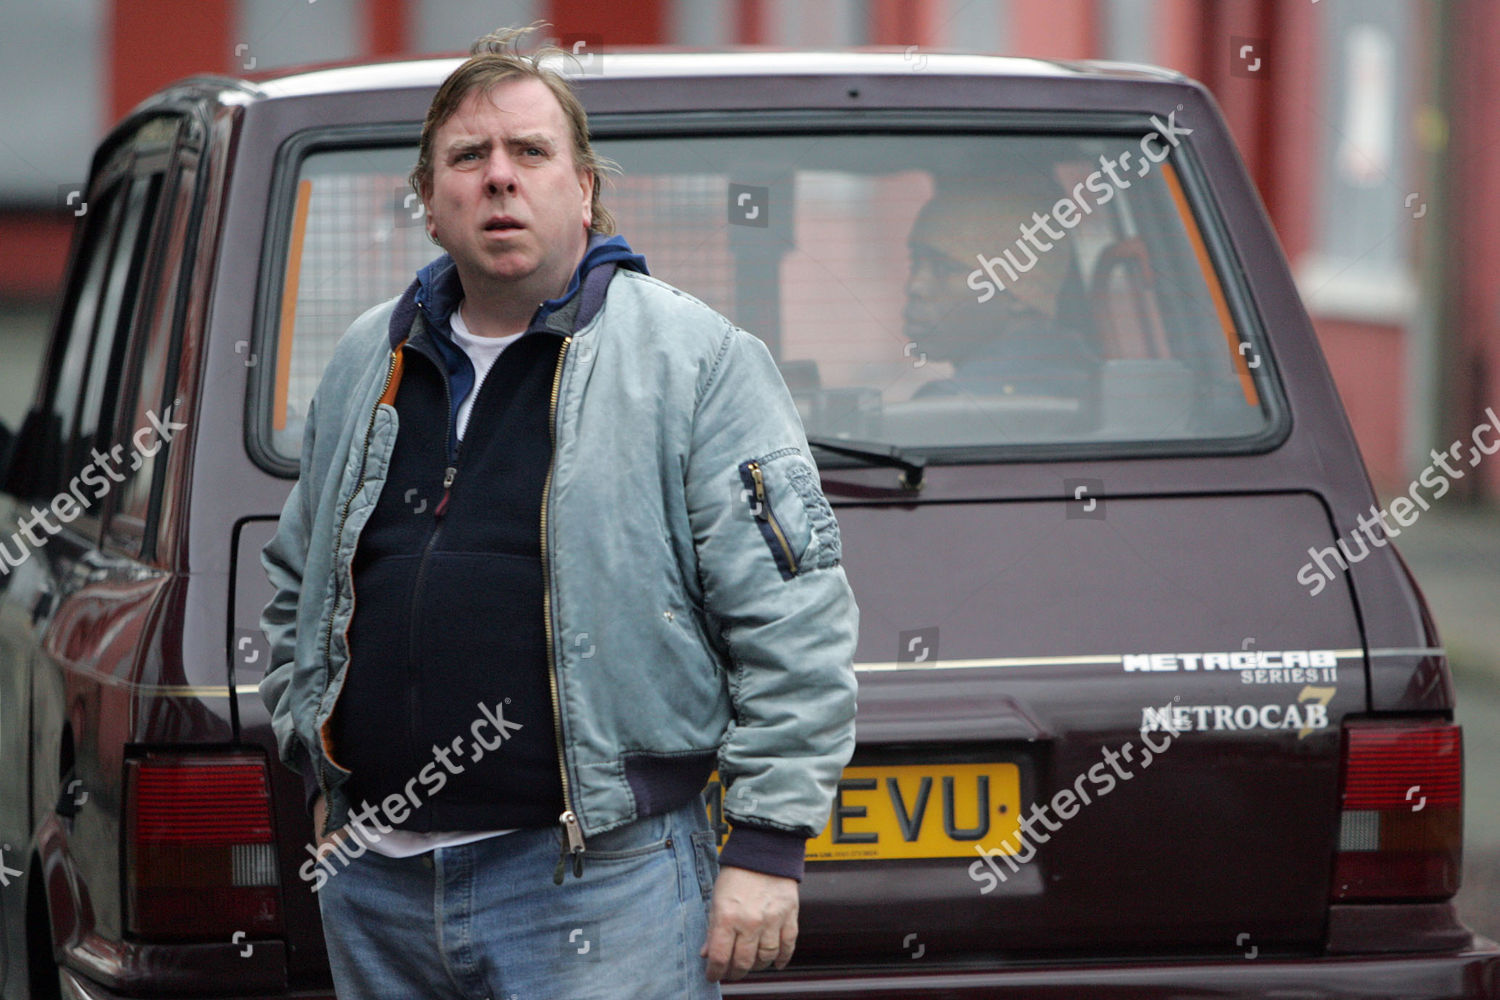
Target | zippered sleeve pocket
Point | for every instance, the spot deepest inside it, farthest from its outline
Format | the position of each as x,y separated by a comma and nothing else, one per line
781,493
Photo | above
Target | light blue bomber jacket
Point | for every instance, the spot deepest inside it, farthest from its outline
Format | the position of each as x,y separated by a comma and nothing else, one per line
697,612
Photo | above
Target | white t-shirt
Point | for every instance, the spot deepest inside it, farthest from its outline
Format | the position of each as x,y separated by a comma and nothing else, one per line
405,843
482,351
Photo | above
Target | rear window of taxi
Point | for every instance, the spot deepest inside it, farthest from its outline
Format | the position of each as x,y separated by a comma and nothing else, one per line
960,296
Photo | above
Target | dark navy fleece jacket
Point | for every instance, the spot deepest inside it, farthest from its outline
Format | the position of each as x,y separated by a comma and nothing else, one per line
448,699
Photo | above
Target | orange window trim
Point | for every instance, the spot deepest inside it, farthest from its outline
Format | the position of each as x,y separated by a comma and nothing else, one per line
289,306
1211,277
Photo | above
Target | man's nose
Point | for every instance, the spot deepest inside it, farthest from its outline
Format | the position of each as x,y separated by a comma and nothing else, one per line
499,173
922,280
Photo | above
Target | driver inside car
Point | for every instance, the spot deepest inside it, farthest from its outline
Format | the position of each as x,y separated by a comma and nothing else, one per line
1004,337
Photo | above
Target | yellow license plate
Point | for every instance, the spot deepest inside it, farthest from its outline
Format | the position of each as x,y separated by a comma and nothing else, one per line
913,811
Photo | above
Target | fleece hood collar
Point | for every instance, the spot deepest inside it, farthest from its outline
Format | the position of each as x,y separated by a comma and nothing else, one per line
437,291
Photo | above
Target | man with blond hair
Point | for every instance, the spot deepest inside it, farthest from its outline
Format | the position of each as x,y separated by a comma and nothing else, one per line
628,577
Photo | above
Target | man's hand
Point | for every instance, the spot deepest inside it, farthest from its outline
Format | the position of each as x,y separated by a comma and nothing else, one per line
752,924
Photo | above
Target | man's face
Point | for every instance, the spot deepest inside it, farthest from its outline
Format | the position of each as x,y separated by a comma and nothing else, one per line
942,315
936,298
506,198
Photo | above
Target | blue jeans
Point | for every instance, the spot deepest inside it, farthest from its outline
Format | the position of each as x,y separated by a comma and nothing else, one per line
484,921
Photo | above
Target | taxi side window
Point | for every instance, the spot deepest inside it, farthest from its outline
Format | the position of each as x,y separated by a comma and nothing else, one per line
75,339
77,456
150,374
94,427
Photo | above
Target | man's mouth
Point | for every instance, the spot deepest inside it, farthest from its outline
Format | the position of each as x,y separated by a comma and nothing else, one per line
501,224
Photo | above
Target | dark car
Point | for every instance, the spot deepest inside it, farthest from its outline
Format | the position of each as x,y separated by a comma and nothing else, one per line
1147,709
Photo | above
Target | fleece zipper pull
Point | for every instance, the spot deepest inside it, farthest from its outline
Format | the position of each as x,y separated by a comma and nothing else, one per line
448,476
572,844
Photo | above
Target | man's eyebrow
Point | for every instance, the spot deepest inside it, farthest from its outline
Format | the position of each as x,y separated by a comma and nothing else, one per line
471,144
532,139
466,145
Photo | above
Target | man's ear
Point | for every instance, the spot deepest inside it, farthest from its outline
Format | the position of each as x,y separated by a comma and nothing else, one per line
425,193
586,184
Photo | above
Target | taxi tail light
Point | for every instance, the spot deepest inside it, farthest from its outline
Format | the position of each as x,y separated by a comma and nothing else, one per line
200,849
1401,826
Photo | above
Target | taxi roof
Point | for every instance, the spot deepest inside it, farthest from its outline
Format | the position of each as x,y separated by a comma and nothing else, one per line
649,63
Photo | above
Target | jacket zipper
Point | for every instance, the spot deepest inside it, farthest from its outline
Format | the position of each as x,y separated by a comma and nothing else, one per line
572,831
764,513
450,449
338,544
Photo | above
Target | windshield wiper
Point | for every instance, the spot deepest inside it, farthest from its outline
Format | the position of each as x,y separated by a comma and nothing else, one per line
870,453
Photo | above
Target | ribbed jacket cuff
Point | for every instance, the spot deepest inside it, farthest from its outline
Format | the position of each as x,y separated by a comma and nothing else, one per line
771,852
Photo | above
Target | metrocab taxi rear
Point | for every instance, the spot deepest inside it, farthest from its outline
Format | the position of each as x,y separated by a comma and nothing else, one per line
1142,712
